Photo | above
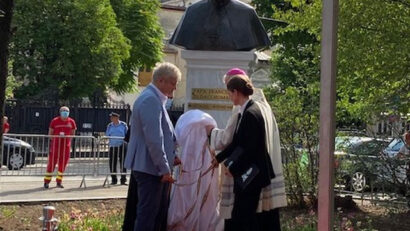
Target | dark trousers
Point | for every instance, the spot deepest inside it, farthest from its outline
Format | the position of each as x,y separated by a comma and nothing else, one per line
244,211
115,154
267,221
153,202
131,205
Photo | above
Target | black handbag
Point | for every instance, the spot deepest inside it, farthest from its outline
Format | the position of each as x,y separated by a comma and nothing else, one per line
244,178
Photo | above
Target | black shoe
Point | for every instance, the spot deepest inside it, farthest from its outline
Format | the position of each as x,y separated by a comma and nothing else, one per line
45,185
113,182
124,183
59,185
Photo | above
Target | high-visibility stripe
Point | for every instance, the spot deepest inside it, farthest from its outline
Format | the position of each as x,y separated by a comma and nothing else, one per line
59,177
49,174
47,178
59,173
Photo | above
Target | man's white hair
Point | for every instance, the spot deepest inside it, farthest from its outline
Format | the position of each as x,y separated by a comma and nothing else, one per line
64,107
166,70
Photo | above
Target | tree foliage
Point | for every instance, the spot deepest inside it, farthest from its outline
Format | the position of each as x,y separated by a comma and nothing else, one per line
12,83
373,67
373,51
67,49
139,22
295,101
77,48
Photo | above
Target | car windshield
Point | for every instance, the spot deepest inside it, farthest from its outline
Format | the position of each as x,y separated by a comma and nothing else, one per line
370,148
343,143
359,145
395,145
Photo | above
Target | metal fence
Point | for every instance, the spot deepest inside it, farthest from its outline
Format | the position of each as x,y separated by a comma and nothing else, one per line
33,117
29,155
37,155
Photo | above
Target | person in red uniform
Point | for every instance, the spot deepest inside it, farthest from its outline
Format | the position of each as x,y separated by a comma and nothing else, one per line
59,146
6,125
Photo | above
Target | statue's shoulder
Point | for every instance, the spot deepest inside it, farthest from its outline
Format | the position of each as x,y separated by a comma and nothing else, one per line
238,5
198,6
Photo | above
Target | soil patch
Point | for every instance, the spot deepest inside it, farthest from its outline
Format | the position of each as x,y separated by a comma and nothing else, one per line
25,216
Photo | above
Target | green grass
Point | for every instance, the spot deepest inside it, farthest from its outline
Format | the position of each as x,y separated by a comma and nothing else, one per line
79,220
7,212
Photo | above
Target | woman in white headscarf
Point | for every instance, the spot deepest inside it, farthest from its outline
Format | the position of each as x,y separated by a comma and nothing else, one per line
194,195
273,196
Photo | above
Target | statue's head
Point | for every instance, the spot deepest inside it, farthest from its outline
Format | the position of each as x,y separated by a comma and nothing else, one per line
220,3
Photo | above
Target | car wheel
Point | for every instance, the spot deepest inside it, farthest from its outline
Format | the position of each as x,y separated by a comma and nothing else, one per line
358,181
16,161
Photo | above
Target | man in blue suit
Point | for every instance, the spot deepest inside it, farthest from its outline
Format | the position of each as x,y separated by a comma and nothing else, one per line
151,149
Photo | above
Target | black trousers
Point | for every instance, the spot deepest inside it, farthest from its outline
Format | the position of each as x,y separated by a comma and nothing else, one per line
131,206
244,216
267,221
116,153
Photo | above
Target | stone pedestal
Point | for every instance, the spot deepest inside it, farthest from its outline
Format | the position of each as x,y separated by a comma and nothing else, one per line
205,89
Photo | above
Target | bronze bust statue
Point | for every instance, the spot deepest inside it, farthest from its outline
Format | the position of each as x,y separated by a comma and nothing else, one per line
220,25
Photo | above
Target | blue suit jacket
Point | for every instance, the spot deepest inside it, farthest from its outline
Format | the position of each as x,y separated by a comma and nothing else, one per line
151,148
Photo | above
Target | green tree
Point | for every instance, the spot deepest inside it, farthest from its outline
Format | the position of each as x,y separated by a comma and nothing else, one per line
139,22
66,49
12,83
373,52
265,10
373,67
295,102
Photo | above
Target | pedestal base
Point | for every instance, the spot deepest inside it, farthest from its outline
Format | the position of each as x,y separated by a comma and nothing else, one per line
205,89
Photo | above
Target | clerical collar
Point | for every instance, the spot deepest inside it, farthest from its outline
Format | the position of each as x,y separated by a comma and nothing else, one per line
244,106
161,95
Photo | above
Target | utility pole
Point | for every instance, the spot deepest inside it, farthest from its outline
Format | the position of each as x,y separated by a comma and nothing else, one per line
327,114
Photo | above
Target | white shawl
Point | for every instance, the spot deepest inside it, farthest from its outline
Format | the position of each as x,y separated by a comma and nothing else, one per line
272,196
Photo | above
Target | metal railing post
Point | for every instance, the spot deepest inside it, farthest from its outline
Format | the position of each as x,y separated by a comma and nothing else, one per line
49,222
97,158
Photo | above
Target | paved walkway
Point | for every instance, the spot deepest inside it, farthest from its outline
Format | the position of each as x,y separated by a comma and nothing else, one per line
30,189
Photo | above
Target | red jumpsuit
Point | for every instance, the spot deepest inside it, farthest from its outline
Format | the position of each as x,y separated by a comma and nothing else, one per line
6,127
59,148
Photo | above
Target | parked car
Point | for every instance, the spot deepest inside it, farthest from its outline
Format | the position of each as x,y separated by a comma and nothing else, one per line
358,160
17,153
